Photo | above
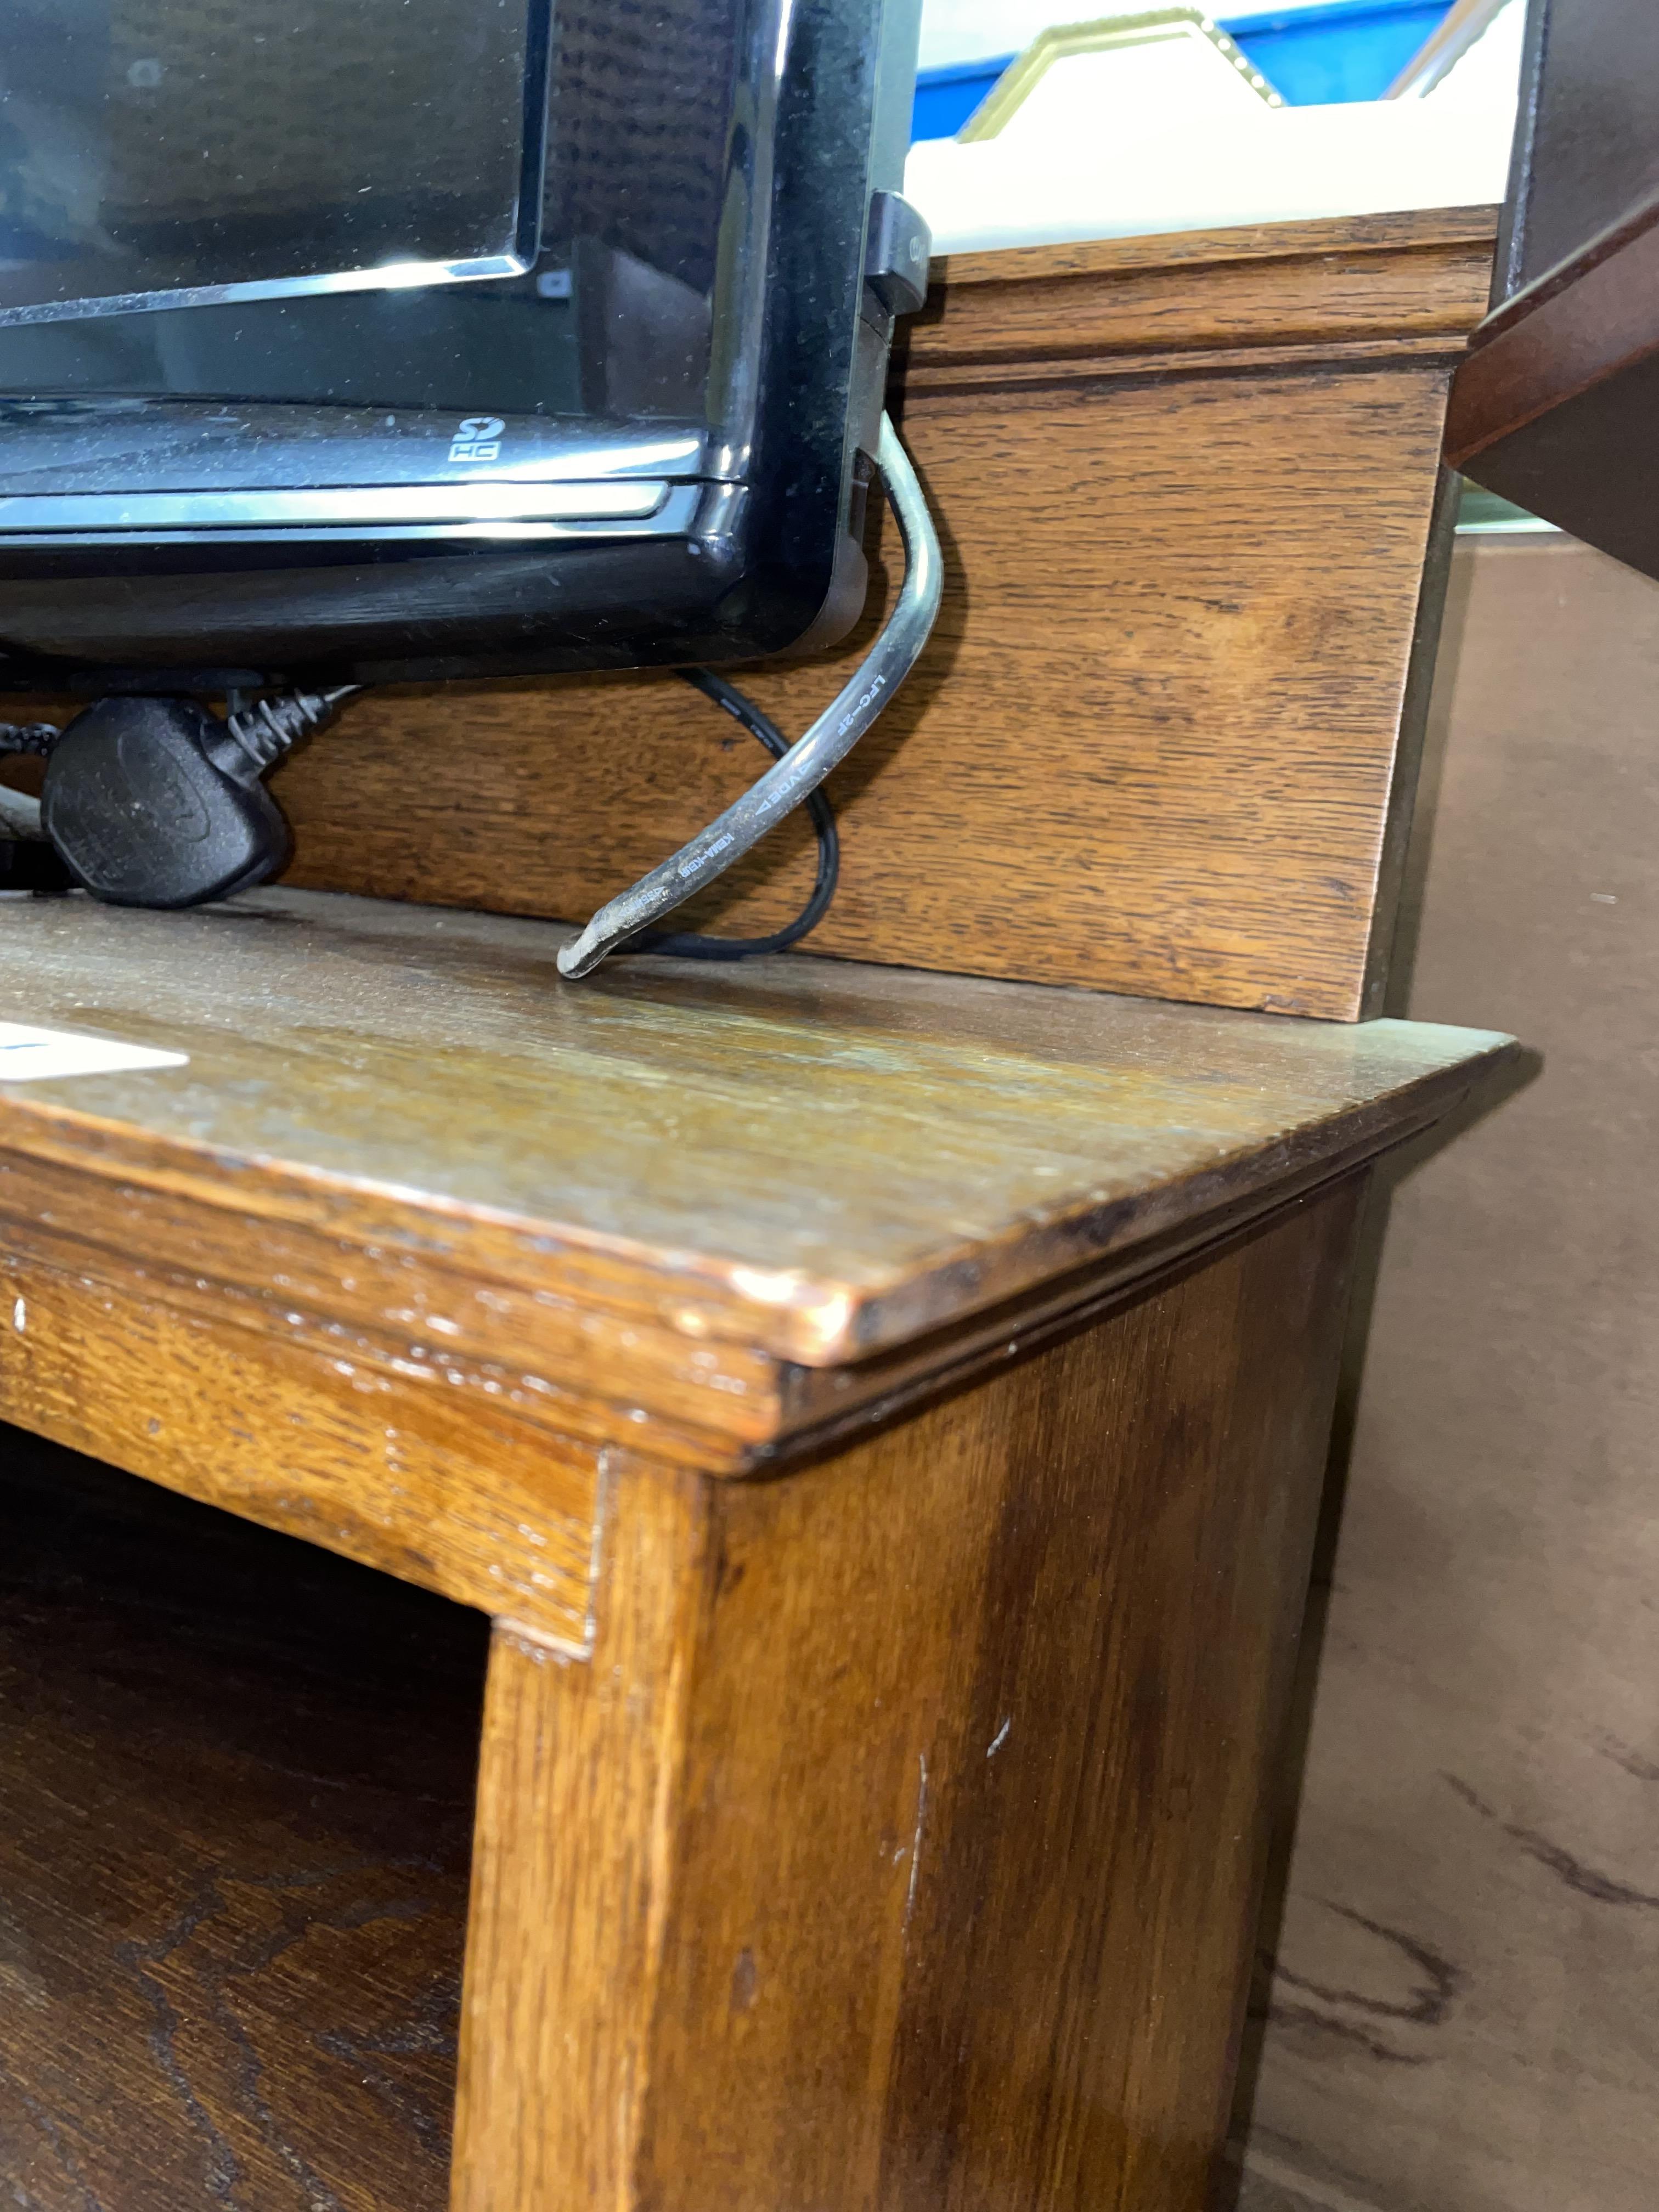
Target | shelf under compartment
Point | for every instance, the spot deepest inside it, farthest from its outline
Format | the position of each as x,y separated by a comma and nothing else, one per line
236,1778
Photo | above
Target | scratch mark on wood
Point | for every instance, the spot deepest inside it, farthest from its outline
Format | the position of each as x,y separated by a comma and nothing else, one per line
223,2169
915,1840
603,1487
745,1981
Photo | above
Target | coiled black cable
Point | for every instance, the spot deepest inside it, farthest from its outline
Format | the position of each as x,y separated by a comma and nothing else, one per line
687,945
265,731
271,727
36,738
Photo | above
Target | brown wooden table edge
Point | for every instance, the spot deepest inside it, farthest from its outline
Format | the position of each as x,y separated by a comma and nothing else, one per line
1474,223
757,1404
810,1321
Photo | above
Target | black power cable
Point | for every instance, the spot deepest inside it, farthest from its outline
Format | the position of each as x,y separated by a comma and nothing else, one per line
36,738
232,757
687,945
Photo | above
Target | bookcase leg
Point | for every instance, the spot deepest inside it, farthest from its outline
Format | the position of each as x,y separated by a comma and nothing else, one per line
573,1849
899,1845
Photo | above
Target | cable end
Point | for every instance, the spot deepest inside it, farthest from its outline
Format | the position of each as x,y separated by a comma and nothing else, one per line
582,955
798,772
271,727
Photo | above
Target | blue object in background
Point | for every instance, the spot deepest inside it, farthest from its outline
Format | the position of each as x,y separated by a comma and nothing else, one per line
945,97
1341,50
1345,49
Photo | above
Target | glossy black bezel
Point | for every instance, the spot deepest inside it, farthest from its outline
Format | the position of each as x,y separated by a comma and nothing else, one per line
747,577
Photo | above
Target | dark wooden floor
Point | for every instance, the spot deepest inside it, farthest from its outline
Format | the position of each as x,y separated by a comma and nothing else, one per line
235,1793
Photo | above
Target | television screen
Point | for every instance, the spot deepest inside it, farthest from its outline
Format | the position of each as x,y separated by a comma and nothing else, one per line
157,151
651,443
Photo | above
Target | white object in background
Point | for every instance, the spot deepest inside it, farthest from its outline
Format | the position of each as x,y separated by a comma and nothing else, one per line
1165,172
32,1055
1078,79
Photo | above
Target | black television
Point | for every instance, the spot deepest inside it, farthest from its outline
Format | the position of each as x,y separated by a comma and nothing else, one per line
648,440
344,342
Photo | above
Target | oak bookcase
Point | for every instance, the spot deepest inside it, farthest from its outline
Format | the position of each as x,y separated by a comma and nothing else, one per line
698,1571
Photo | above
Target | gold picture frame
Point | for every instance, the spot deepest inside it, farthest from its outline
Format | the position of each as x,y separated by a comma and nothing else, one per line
1058,43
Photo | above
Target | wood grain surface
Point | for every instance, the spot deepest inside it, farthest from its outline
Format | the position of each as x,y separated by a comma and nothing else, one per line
1161,742
350,1452
478,1278
454,1227
899,1848
235,1789
888,1834
1163,739
579,1797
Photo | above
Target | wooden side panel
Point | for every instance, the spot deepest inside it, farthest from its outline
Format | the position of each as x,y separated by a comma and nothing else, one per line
1150,749
1085,1936
386,1467
1185,488
578,1800
919,1867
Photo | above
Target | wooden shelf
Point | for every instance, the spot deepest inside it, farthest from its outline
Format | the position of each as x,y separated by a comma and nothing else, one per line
436,1215
502,1285
235,1791
887,1833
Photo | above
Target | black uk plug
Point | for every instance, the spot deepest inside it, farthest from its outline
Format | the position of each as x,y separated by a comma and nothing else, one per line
157,802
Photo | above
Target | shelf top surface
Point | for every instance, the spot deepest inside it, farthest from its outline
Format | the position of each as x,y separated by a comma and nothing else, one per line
832,1158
